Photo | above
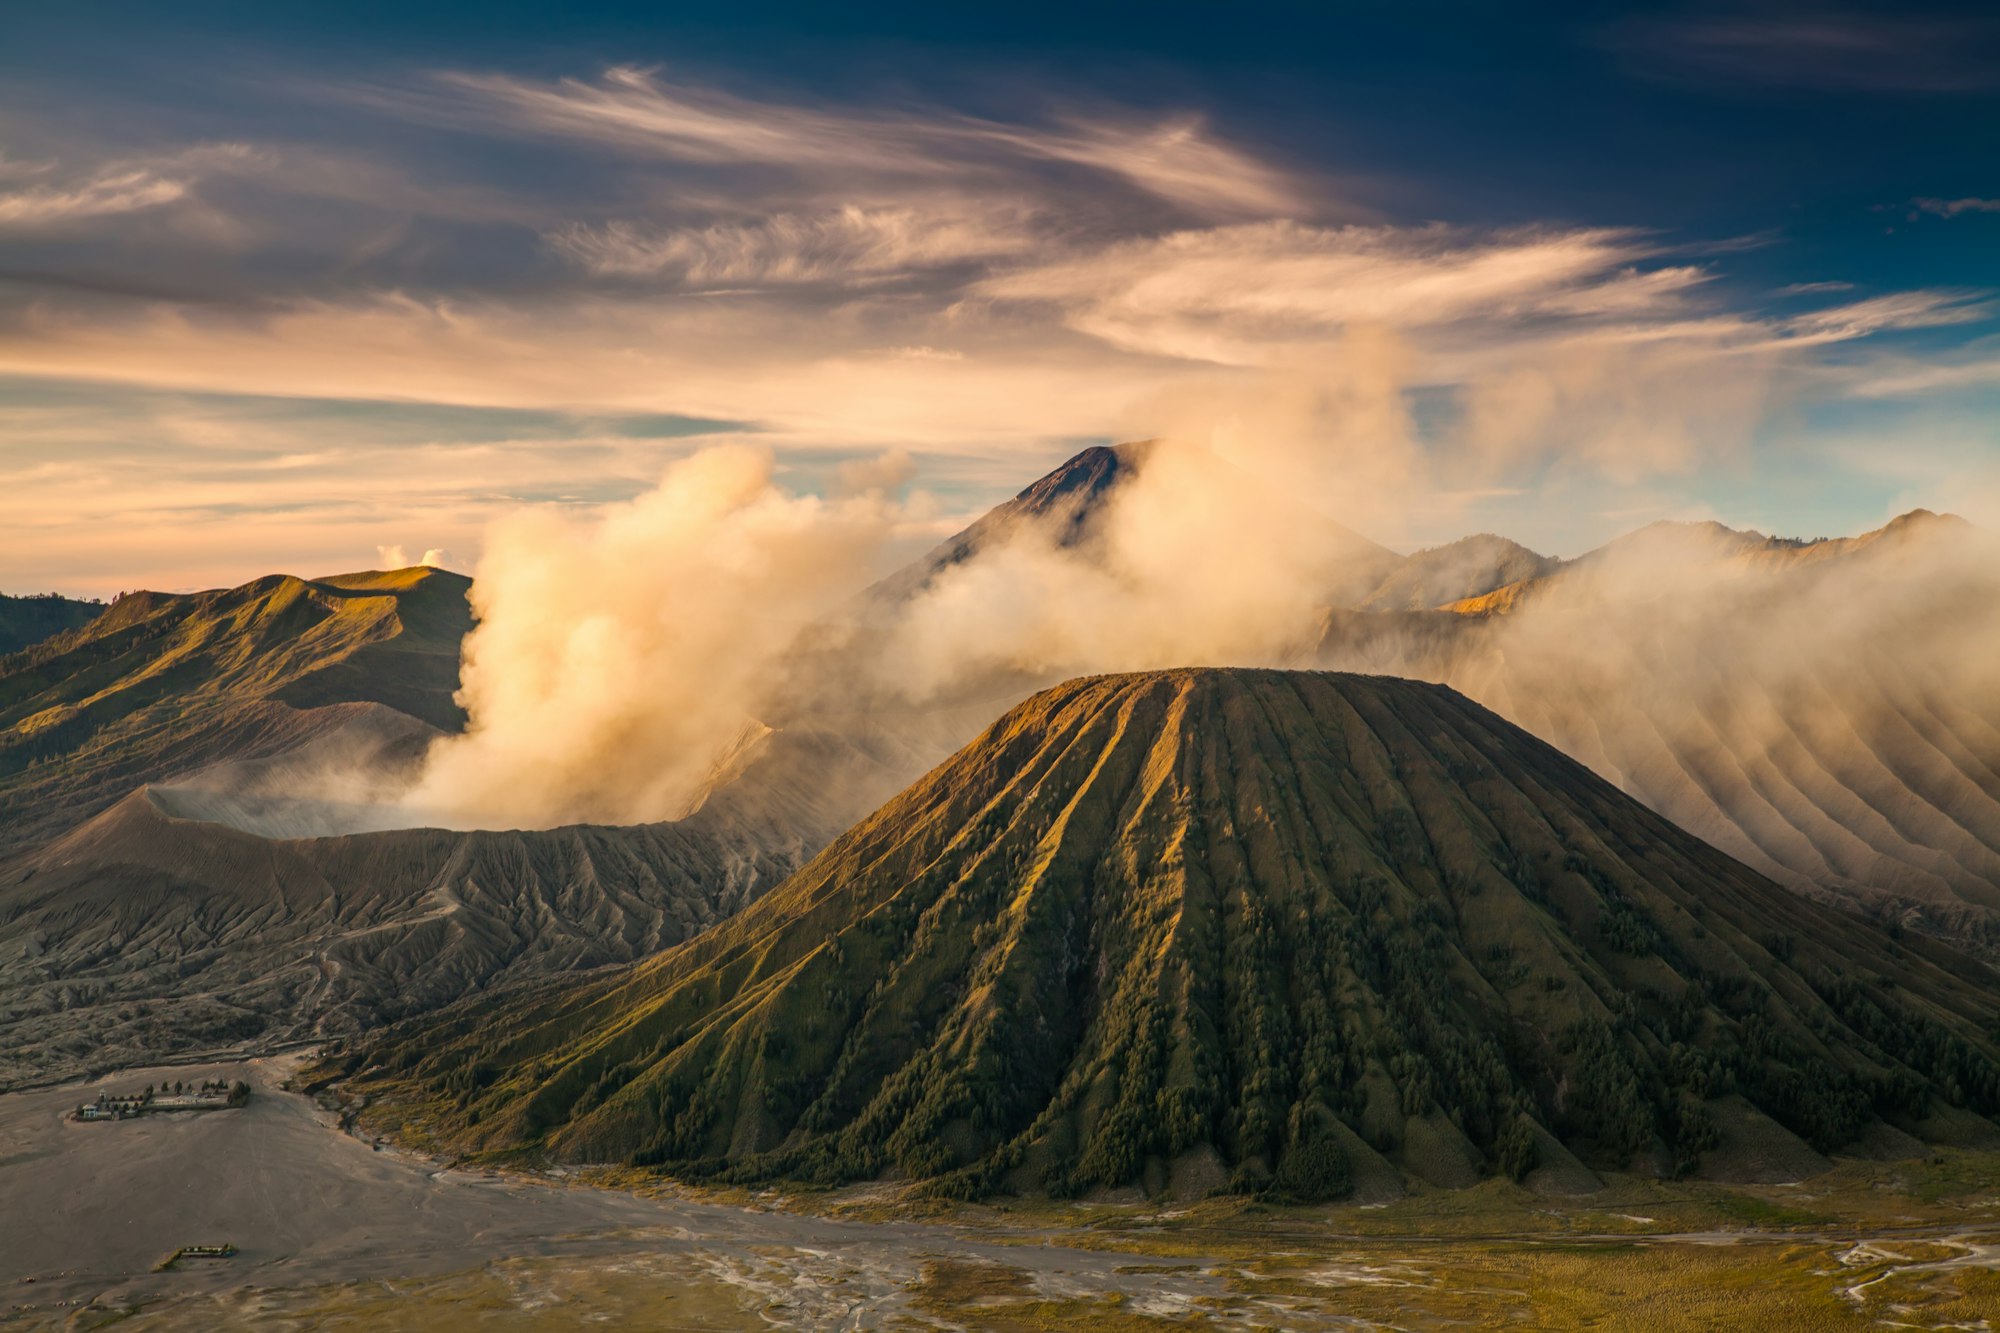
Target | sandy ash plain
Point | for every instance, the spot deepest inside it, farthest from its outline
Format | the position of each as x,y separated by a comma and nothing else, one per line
94,1209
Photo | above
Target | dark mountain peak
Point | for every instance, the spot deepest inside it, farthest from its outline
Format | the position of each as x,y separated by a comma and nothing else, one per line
1063,504
1232,928
1092,471
1065,501
1066,507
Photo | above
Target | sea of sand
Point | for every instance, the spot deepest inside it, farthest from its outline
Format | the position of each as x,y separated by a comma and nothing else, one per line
336,1231
88,1212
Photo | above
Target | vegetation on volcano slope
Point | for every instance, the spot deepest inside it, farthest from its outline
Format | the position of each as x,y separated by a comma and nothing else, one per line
1254,929
161,684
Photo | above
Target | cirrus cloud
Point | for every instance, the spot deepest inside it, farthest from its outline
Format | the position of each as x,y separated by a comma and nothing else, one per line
849,242
1235,295
838,280
114,192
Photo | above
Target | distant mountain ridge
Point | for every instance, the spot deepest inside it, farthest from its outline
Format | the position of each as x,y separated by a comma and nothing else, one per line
1712,543
162,885
1226,929
161,684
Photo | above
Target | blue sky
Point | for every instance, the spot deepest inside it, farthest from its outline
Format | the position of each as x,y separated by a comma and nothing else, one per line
283,285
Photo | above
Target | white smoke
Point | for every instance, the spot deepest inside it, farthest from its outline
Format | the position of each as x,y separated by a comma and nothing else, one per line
1221,550
397,557
621,655
617,654
1823,711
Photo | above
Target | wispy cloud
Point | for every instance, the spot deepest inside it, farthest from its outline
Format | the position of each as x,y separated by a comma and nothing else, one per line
114,192
1018,331
1951,208
1820,50
1176,160
846,243
978,294
1973,367
1897,310
1250,293
55,197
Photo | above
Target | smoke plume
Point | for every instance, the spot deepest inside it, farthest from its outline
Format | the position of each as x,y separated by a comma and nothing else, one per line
1822,710
616,655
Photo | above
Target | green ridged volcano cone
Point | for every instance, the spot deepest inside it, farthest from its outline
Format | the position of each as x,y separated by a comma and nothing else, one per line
1256,928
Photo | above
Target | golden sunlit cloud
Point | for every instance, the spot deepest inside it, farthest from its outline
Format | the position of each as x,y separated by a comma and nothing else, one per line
836,281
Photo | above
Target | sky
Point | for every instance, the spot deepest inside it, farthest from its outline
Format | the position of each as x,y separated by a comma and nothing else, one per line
316,288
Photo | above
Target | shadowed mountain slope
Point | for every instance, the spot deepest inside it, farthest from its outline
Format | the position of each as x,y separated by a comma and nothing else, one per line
26,621
167,774
142,935
1287,931
161,684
